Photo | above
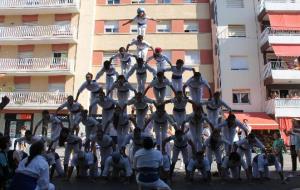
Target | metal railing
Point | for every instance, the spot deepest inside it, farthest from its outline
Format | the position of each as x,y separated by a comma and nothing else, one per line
262,3
35,65
38,3
33,99
273,104
278,31
29,32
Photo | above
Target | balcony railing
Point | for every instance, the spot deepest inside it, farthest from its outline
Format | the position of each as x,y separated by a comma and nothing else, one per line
262,3
283,107
36,65
275,65
37,32
278,31
23,100
38,3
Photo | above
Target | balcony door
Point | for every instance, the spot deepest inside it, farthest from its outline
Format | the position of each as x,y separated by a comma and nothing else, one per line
25,59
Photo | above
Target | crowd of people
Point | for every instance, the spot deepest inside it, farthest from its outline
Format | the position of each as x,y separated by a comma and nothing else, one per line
138,144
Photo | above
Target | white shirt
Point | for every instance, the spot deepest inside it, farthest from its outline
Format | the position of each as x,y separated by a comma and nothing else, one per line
123,57
193,83
105,142
161,61
245,144
141,20
178,72
93,86
143,104
140,70
109,73
140,45
230,132
123,164
164,119
125,87
147,158
37,168
158,85
106,103
75,107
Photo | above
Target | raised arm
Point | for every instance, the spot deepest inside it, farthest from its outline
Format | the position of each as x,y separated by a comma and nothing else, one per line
168,60
82,87
128,22
37,126
100,73
151,70
61,107
112,88
130,72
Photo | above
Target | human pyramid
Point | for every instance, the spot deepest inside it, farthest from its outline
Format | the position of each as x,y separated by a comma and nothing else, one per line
125,141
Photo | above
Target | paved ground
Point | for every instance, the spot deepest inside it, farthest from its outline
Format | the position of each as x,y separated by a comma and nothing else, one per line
180,184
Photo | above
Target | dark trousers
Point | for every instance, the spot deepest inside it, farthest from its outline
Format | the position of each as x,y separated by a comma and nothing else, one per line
294,157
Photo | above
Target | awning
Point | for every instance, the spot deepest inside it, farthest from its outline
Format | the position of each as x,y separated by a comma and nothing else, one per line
257,120
285,50
285,21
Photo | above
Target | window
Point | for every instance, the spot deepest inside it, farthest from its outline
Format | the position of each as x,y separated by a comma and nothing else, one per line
137,1
25,58
133,28
235,3
236,31
191,26
59,57
113,2
241,96
191,58
164,1
189,1
56,87
239,62
163,26
22,87
111,26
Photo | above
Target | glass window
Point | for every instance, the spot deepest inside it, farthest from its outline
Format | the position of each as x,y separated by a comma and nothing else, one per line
113,2
137,1
236,31
133,28
192,58
164,1
23,87
239,62
191,26
235,4
56,87
163,26
111,26
241,96
60,57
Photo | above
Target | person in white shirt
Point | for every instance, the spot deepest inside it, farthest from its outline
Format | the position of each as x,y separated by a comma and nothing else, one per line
147,163
177,72
196,84
228,128
111,74
92,86
91,125
141,20
125,59
140,104
28,138
56,125
123,87
116,163
201,163
245,147
75,112
231,164
161,60
142,47
161,119
141,73
159,85
33,171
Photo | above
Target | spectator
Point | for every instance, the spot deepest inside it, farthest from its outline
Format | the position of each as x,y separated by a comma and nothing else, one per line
278,147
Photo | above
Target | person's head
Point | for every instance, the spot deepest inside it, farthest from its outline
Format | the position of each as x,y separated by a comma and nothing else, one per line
140,12
276,135
84,114
234,158
139,96
251,138
140,62
137,132
140,38
179,95
160,76
45,115
160,110
231,119
179,135
200,155
100,134
197,75
121,79
215,135
157,51
70,100
36,149
122,50
106,64
63,136
89,77
179,63
28,135
148,143
101,94
5,143
217,95
116,157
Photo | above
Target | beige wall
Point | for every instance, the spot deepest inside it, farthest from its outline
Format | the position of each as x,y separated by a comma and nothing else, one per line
165,41
164,11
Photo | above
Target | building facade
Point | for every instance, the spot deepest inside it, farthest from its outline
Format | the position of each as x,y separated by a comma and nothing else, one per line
47,47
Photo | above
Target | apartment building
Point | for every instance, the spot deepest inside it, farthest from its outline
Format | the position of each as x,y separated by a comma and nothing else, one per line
39,59
254,55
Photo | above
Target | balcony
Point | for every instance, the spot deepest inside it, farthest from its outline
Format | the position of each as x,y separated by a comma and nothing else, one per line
23,7
36,66
280,36
281,72
283,107
51,34
34,100
265,6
